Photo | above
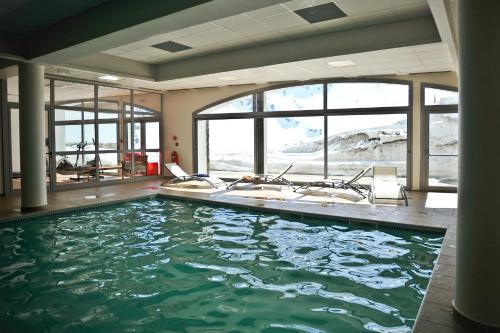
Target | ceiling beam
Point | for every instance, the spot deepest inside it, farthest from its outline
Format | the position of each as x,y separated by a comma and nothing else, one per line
445,15
107,64
377,37
121,22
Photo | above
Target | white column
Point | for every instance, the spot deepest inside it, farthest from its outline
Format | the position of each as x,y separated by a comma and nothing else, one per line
477,287
32,136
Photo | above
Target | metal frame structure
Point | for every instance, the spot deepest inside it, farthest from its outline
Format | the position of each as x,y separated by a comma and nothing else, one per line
52,123
258,114
426,111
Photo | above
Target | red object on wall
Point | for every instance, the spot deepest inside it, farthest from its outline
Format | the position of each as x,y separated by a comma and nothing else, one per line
175,157
152,169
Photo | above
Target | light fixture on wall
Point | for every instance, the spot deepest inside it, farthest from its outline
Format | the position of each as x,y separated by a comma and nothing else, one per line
341,63
109,77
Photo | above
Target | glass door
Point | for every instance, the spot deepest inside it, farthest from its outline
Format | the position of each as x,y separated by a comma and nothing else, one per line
441,139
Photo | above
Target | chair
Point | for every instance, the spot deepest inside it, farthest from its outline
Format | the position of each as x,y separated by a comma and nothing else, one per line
180,176
140,163
264,180
351,184
385,185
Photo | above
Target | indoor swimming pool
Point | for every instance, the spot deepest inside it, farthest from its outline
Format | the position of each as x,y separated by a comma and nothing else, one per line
162,265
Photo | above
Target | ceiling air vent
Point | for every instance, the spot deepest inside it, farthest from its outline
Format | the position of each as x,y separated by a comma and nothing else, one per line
320,13
172,47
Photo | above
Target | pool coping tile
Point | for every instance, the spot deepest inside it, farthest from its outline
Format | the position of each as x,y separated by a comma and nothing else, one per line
435,314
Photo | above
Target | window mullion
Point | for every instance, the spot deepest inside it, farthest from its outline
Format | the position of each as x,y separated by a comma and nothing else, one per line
259,139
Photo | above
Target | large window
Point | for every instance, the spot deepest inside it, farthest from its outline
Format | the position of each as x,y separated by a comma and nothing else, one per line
351,95
105,133
441,138
94,133
309,97
327,130
228,147
298,140
356,142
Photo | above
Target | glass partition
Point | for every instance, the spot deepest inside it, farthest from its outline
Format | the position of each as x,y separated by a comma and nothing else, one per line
67,93
145,133
95,133
111,98
124,141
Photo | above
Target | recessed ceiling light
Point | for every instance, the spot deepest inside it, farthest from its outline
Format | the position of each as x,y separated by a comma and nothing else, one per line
341,63
109,78
228,78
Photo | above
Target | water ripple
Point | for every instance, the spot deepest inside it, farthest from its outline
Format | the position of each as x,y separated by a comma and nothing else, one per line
162,265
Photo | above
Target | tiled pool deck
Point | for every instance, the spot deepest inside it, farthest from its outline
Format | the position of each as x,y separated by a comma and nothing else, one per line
426,210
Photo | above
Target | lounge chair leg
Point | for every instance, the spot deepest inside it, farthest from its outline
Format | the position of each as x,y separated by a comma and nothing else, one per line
403,193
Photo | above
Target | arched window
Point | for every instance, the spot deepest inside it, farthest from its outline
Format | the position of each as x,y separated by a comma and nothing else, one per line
326,129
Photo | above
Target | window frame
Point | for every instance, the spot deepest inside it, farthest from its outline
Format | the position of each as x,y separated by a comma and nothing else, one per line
426,111
259,115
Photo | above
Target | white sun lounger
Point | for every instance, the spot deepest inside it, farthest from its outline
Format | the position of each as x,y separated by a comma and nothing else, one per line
264,180
385,185
351,184
180,176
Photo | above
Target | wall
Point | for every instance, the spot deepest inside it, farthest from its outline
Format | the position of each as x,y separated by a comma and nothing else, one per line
178,107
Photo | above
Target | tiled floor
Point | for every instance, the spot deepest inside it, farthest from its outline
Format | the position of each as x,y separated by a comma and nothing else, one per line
425,210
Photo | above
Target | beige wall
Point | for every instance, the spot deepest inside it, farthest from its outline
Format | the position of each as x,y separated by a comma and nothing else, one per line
178,107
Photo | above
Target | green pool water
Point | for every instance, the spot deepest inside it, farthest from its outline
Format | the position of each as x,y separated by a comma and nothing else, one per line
161,265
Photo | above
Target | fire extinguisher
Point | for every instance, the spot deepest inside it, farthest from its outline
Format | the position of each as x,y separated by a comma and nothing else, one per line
175,157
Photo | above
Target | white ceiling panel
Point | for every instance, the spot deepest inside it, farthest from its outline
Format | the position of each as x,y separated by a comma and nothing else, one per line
401,61
242,24
284,20
266,12
271,24
357,7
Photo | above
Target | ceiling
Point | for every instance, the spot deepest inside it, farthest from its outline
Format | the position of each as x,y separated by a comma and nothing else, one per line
258,41
269,24
400,61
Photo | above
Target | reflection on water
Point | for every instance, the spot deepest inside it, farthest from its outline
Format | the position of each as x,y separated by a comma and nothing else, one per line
161,265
